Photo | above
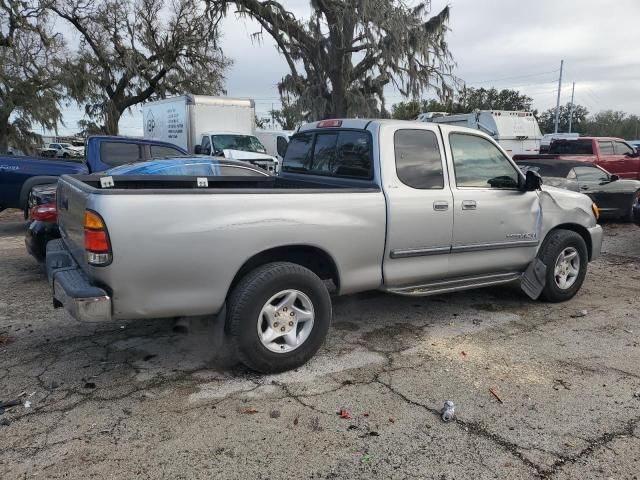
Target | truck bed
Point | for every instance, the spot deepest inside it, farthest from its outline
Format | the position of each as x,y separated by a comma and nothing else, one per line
195,239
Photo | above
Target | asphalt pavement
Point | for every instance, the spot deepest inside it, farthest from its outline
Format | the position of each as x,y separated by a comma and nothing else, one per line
540,390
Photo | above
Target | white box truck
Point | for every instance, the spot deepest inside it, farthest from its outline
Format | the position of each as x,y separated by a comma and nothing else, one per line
216,126
517,132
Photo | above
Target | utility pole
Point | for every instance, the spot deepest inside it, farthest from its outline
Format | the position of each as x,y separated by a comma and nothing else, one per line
573,90
555,128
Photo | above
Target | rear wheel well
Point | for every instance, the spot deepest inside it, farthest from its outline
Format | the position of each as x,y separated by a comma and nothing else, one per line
313,258
580,230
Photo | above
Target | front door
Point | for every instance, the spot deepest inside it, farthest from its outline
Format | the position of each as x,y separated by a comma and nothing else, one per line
496,225
419,205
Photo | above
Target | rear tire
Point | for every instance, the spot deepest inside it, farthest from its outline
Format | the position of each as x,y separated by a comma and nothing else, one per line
565,255
629,217
255,314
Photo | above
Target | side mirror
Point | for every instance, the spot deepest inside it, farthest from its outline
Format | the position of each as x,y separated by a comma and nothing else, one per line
533,181
613,178
198,150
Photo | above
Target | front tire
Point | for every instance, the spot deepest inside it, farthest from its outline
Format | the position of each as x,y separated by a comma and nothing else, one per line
635,200
565,255
278,317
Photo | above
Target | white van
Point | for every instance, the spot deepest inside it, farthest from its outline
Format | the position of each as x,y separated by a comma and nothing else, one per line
275,141
516,132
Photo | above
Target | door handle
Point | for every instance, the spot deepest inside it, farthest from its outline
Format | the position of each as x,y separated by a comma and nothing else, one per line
440,205
584,187
469,205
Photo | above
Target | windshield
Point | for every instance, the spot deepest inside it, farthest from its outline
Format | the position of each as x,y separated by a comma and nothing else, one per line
65,145
246,143
571,147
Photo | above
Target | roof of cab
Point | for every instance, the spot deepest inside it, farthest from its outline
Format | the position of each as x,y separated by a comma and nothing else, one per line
363,124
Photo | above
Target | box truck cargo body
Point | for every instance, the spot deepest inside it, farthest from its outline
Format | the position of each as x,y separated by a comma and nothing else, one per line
217,126
516,132
183,120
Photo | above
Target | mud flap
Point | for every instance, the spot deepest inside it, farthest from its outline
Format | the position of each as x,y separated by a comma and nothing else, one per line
534,279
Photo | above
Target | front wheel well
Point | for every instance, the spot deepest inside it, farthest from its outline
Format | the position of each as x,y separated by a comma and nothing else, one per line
313,258
580,230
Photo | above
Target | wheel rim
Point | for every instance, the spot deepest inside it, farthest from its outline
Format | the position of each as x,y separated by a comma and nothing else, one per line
567,268
286,320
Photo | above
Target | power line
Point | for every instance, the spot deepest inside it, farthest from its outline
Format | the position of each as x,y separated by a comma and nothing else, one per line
512,78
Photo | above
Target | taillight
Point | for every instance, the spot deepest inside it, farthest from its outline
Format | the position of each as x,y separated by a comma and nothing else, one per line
96,239
47,212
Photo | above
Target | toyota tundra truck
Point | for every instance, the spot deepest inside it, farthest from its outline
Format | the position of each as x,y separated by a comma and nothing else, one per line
404,207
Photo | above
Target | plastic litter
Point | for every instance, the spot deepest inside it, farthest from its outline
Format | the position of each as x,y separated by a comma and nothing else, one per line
581,313
344,414
27,404
366,458
448,411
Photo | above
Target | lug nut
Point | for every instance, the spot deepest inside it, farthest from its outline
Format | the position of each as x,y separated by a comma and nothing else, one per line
291,324
275,324
282,329
292,314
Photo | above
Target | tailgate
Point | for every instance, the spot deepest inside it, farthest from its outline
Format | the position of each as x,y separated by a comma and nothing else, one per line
71,202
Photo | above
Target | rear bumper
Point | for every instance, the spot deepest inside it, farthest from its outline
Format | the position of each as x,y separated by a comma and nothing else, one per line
596,235
636,214
72,289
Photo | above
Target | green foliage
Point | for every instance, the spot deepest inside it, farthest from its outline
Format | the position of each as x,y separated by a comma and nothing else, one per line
30,85
343,56
289,116
578,123
467,100
610,123
131,52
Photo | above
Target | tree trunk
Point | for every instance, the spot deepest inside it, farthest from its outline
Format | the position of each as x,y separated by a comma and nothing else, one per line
4,135
111,118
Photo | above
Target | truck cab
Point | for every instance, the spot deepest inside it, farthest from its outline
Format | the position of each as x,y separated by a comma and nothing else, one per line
237,146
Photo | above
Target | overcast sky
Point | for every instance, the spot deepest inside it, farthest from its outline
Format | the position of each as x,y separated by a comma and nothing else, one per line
501,43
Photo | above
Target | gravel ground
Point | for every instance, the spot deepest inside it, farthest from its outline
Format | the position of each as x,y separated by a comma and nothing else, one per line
540,390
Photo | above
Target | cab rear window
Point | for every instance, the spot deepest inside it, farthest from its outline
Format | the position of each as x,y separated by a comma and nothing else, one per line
344,153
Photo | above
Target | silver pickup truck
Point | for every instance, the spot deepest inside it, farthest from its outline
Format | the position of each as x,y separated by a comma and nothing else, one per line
405,207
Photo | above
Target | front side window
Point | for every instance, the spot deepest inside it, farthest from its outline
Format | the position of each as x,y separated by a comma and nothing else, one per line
591,175
606,148
205,146
479,163
418,160
119,153
621,148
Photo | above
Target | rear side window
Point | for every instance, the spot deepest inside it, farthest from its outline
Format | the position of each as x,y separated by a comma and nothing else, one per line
338,154
119,153
606,148
571,147
418,161
158,151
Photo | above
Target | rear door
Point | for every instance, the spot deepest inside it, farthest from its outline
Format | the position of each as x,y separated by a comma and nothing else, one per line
496,226
629,163
419,204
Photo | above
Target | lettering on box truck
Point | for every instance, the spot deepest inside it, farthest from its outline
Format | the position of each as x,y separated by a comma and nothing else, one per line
166,122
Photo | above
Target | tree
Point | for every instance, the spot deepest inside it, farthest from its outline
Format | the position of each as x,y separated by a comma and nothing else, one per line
289,116
30,85
470,99
611,123
261,123
343,56
578,123
411,109
131,52
19,15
